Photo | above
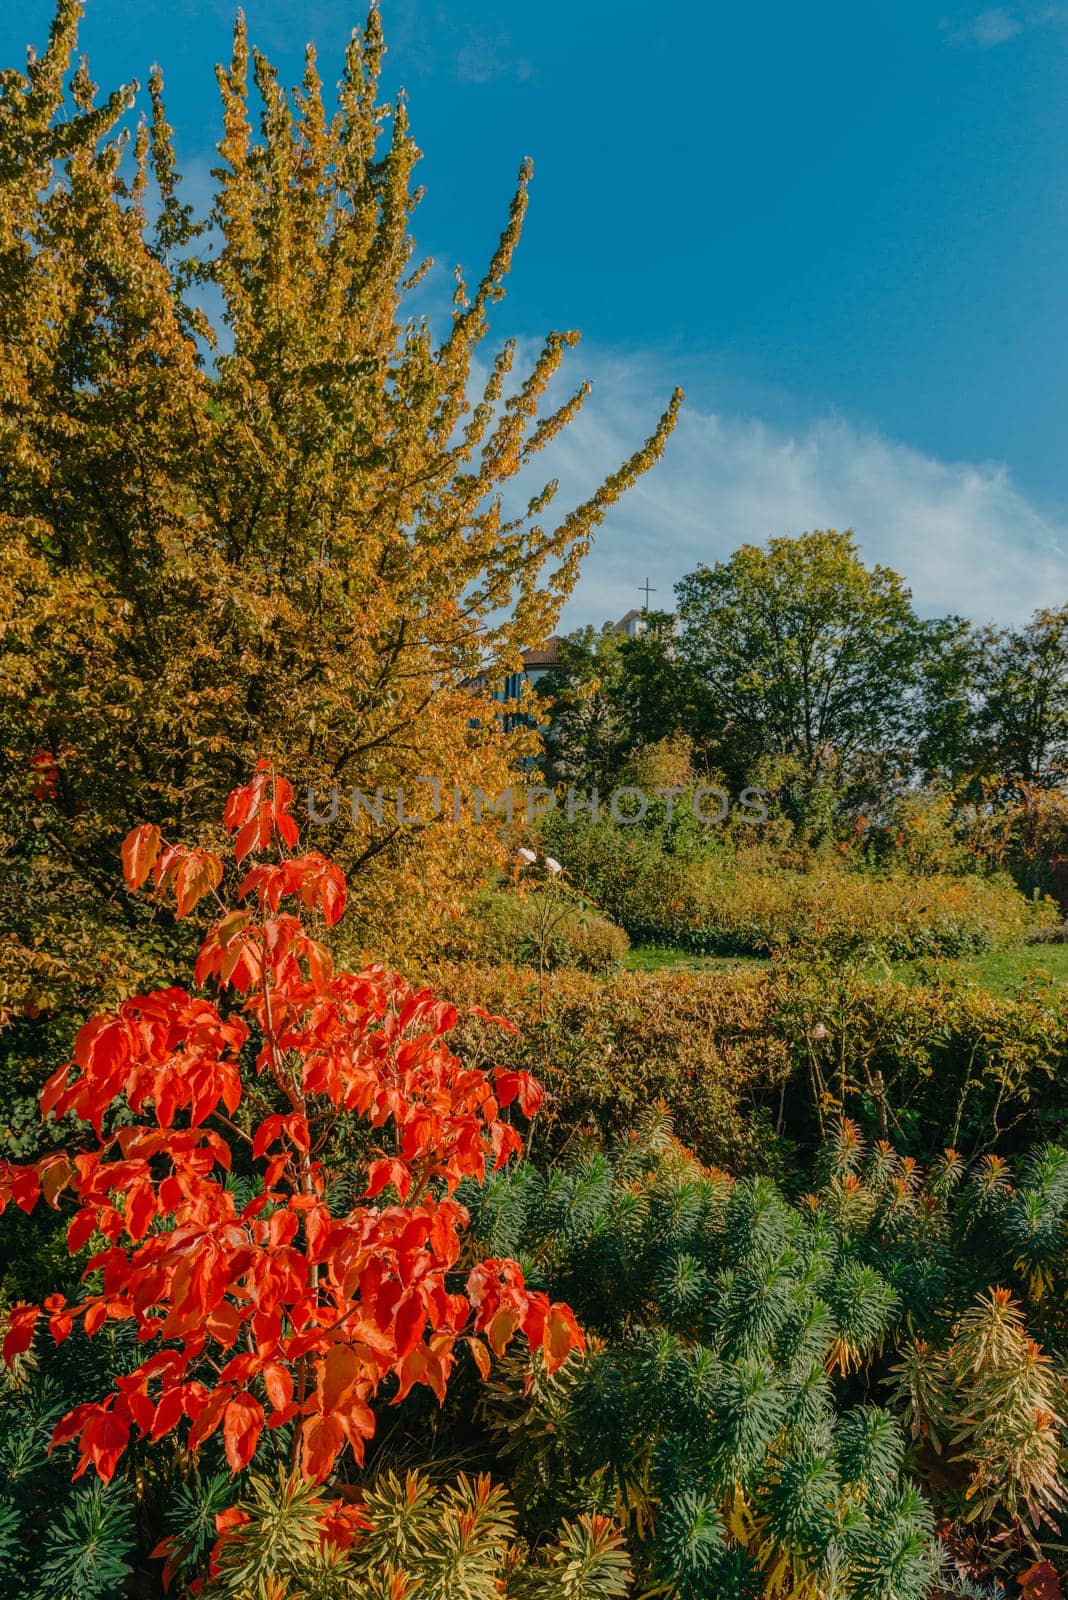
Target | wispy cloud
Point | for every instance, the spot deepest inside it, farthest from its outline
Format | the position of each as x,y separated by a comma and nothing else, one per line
434,40
962,534
486,58
997,24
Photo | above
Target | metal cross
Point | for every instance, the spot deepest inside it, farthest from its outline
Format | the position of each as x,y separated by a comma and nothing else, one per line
647,590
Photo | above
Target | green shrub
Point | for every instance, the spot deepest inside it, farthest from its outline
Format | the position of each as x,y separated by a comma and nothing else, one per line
749,1349
509,927
733,910
708,1409
752,1060
712,894
608,1048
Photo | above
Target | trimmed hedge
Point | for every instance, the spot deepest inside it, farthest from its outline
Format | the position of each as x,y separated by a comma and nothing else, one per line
753,1062
726,901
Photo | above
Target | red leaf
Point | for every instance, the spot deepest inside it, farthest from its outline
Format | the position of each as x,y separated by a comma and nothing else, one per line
140,850
410,1322
25,1187
169,1412
81,1231
186,1262
232,1517
209,1415
53,1088
43,763
242,1426
104,1438
95,1317
321,1441
140,1210
19,1335
519,1086
489,1016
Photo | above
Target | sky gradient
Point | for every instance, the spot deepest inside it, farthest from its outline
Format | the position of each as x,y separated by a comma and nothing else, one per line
842,228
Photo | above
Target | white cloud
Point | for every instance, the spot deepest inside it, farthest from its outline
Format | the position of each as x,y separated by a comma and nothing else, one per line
962,535
485,58
997,24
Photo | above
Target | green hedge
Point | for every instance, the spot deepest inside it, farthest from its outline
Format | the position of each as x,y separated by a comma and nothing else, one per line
754,1061
727,900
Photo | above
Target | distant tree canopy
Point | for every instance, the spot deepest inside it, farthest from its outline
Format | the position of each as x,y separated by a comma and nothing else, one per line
796,664
285,536
798,649
1021,720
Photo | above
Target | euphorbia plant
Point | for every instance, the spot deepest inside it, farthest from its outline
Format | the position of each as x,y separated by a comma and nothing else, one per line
275,1311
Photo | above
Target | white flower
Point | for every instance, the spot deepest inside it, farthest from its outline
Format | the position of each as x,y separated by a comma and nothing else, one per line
553,866
526,856
820,1032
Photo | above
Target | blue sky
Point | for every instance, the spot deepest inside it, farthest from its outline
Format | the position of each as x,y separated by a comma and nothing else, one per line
843,229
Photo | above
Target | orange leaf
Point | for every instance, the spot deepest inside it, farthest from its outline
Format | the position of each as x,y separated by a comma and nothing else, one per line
562,1335
140,849
198,873
483,1360
321,1442
242,1426
1040,1582
279,1385
338,1376
56,1172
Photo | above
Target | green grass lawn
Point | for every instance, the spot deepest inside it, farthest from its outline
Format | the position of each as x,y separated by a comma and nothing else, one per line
1001,970
997,970
663,958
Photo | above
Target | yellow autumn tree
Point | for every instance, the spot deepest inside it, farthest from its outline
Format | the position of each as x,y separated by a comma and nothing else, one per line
301,532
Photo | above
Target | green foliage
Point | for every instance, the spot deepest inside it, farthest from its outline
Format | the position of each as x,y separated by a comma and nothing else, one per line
1021,723
723,891
588,734
707,1416
456,1542
742,1056
190,1518
608,1048
801,650
608,697
60,1540
506,927
991,1398
982,1399
718,1414
85,1555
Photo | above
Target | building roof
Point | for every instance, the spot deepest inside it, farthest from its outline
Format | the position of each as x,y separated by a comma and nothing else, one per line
630,616
545,654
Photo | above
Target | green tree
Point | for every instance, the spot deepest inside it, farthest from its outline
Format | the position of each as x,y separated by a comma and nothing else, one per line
800,651
611,694
1022,719
658,690
949,689
587,734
